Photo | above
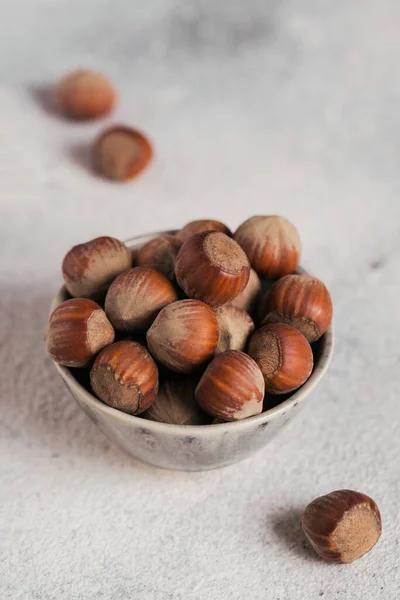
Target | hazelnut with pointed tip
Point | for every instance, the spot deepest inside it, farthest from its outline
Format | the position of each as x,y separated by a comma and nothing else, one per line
125,376
184,335
235,327
199,226
272,244
302,301
160,254
77,330
212,267
89,268
342,526
84,95
176,404
136,297
283,355
232,387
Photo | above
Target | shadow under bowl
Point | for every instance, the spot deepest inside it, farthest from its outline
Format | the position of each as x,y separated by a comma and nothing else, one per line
194,447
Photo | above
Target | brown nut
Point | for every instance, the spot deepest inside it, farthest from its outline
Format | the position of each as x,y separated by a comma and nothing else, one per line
125,376
121,153
184,335
301,301
176,404
283,355
271,243
232,387
248,298
84,95
342,526
78,329
212,267
89,268
235,327
160,254
135,298
199,226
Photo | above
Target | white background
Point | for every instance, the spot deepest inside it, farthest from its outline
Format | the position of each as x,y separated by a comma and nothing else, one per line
253,107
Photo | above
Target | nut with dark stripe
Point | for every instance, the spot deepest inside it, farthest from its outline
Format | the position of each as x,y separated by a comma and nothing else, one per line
125,376
342,526
302,301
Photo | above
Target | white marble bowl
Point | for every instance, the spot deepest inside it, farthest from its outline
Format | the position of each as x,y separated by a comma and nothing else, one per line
189,447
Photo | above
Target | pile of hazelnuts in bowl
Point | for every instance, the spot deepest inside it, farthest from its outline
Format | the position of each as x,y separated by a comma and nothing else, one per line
195,327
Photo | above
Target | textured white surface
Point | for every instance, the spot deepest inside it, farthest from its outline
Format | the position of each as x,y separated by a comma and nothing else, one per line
254,107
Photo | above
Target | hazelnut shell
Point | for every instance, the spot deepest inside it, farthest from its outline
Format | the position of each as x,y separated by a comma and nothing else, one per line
125,377
136,297
283,355
232,387
176,404
121,153
248,298
77,330
89,268
199,226
302,301
160,254
184,335
272,244
235,327
342,526
84,95
212,267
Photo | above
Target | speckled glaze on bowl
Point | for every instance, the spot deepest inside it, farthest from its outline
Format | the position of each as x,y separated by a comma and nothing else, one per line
189,447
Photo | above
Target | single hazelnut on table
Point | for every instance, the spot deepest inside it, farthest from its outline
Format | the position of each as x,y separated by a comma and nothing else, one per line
135,298
283,355
342,526
160,254
184,335
272,244
212,267
247,299
89,268
235,326
125,376
302,301
232,387
77,330
199,226
176,404
121,153
84,95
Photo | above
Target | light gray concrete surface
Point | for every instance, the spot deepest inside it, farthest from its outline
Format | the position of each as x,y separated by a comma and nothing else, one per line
254,107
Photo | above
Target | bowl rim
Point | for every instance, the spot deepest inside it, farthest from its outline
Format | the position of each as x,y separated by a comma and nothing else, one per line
266,416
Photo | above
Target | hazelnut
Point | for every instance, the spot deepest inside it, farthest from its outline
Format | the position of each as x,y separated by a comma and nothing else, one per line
199,226
85,95
78,329
301,301
247,299
271,243
160,254
232,387
212,267
283,355
136,297
121,153
125,376
184,335
176,404
342,526
89,268
235,326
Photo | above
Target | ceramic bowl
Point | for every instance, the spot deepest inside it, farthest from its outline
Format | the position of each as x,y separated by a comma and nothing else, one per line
189,447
